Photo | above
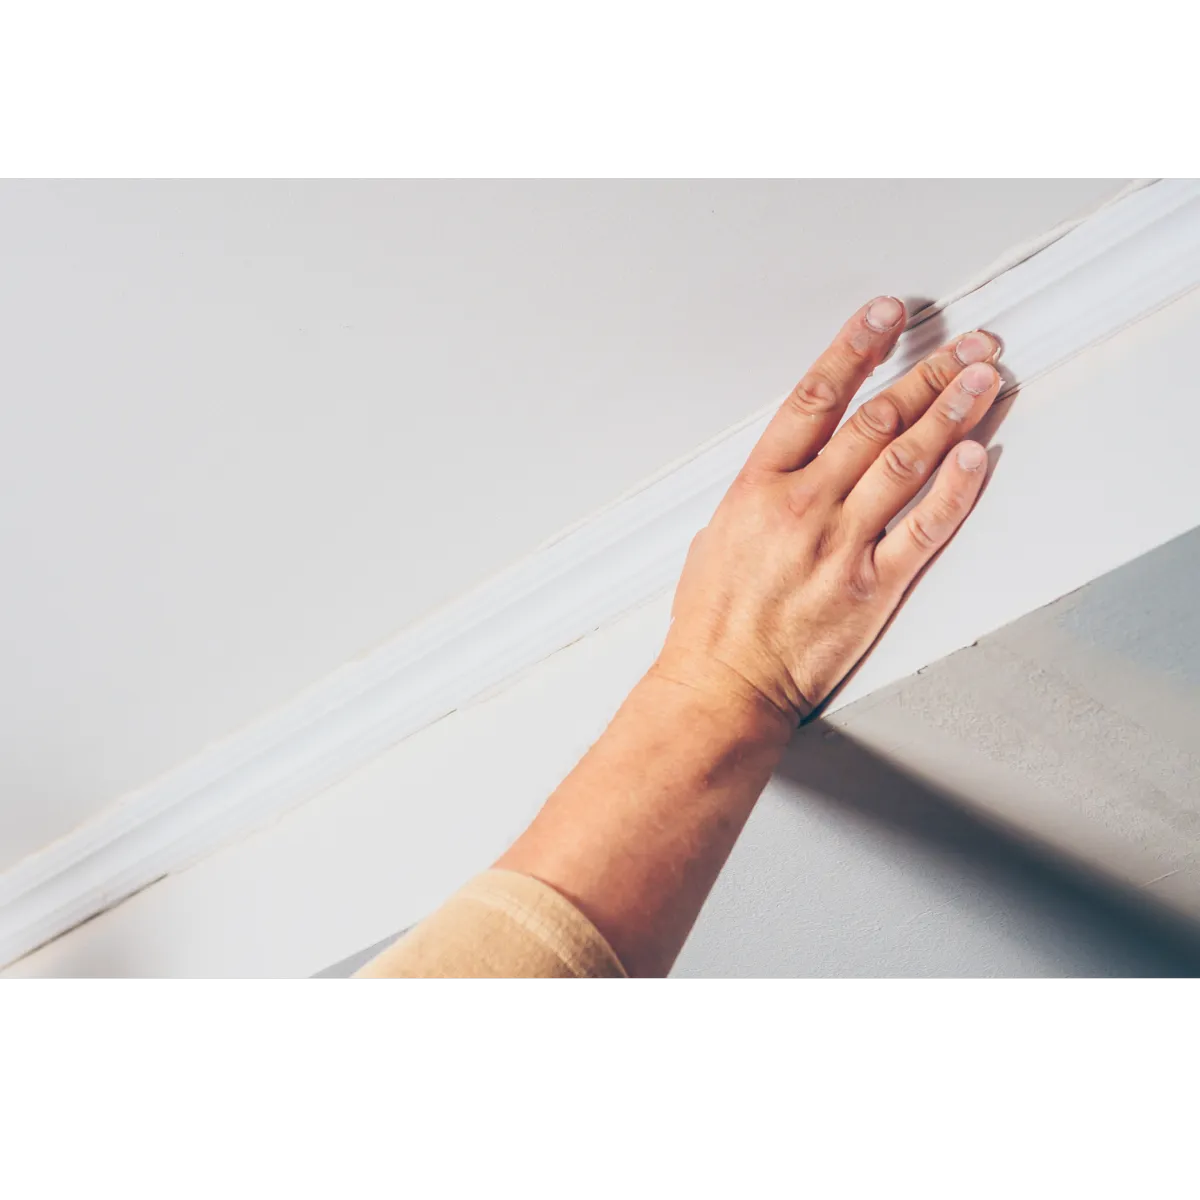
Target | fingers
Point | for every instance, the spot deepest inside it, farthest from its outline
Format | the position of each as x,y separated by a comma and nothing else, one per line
860,441
905,463
931,524
811,413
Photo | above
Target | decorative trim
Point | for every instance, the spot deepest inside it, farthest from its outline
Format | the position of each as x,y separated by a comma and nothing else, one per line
1127,260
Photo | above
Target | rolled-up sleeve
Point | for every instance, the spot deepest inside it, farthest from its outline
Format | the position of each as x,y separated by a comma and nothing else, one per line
501,925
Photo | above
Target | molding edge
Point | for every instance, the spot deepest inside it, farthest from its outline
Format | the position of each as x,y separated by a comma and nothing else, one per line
1127,260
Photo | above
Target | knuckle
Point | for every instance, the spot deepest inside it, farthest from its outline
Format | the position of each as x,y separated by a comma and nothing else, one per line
861,346
901,464
930,525
894,398
925,533
813,396
947,509
878,420
802,496
938,372
861,579
954,407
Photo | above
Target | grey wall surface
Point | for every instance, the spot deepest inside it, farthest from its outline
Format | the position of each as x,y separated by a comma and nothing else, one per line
855,865
1089,707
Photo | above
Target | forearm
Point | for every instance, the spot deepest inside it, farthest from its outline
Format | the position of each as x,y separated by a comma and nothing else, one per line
637,833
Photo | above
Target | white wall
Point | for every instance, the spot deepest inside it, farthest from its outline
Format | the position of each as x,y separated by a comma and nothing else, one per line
834,894
250,430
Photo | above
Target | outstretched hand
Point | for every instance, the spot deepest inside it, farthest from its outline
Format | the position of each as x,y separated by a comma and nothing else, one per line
797,573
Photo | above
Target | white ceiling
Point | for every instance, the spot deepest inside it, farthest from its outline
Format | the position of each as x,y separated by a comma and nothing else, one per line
251,429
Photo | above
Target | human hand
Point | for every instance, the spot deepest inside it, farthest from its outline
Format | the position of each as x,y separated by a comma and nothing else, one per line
796,574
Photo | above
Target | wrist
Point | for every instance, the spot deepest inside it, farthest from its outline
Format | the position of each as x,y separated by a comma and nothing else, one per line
721,696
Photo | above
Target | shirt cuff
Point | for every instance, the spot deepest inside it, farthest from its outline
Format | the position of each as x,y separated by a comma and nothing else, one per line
501,925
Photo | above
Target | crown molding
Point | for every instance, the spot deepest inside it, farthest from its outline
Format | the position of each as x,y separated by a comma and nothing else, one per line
1130,258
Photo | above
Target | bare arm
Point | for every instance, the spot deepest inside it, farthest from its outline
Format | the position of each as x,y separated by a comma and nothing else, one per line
636,835
782,593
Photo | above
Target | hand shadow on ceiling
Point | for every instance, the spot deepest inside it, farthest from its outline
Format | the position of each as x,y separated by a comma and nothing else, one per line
836,770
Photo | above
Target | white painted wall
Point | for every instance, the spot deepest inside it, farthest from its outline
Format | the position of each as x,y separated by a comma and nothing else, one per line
375,853
250,430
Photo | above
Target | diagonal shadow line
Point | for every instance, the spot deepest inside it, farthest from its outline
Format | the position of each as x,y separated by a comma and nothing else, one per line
837,770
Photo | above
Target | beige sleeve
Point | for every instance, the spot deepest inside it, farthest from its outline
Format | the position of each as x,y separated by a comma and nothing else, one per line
502,925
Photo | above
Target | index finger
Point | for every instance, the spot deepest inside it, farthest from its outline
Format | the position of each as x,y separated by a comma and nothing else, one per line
807,418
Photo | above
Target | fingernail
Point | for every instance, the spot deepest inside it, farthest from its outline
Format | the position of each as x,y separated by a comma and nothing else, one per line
977,378
884,313
975,348
971,456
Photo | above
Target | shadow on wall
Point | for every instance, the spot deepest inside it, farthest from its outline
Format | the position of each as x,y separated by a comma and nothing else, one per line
834,770
1120,931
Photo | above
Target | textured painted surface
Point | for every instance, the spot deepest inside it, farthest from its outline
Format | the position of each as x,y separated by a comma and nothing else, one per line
1001,813
1148,617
